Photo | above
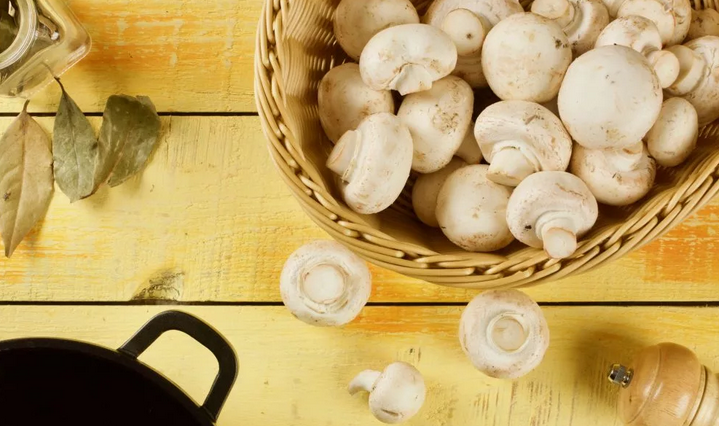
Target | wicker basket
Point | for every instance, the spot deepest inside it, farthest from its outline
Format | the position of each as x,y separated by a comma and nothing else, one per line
296,47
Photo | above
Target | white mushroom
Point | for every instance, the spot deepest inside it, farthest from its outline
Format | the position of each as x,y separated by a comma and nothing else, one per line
581,20
407,58
704,22
469,150
374,162
504,333
325,284
471,210
438,120
426,190
356,22
551,210
519,138
672,17
525,57
467,22
610,98
674,136
615,177
395,394
642,35
344,100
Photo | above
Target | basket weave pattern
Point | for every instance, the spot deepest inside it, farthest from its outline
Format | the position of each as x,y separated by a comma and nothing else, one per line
296,47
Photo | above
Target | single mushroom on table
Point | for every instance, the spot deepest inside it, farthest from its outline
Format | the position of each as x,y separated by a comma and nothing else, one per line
525,57
504,333
581,20
438,120
374,162
407,58
467,22
471,210
674,136
551,210
672,17
640,34
344,101
469,150
395,394
615,177
356,22
324,284
426,190
519,138
704,22
610,98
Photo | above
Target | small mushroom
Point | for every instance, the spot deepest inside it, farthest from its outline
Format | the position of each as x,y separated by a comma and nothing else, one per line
438,120
356,22
374,162
519,138
551,210
344,101
504,333
395,394
674,136
615,177
325,284
704,22
407,58
525,57
581,20
610,98
426,190
467,22
469,150
672,17
640,34
471,210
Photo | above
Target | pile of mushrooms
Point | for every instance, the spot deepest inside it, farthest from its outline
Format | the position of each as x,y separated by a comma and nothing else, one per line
591,94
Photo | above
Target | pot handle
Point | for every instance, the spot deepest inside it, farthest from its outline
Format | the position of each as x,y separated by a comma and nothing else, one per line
203,334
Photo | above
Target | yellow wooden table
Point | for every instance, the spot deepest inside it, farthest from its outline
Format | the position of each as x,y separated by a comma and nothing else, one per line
209,224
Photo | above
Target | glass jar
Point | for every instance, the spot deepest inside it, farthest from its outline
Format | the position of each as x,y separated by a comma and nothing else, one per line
39,40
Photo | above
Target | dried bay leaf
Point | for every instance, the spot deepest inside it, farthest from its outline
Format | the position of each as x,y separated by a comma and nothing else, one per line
76,151
130,130
26,182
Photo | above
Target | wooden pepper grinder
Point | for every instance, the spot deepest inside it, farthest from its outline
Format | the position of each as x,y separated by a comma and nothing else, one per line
667,386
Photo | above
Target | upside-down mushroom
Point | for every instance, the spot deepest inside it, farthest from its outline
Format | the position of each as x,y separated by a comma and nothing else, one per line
581,20
672,17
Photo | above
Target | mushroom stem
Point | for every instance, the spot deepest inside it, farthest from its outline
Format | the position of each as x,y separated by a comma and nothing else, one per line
557,232
364,381
627,159
466,30
510,165
324,284
561,11
691,70
666,65
341,160
507,332
412,78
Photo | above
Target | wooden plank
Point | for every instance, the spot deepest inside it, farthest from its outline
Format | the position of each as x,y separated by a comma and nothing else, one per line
189,55
211,220
294,374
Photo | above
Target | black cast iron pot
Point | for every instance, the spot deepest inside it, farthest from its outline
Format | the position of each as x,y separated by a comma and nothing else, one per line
53,382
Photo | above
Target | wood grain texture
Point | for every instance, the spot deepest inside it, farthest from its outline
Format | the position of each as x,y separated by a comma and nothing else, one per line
187,55
210,220
294,374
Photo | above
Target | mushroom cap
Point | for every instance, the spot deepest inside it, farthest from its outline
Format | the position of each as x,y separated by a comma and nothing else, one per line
672,17
704,22
610,98
471,210
491,10
344,100
398,394
674,136
438,120
374,161
407,58
426,190
615,177
469,150
581,20
705,97
525,57
356,22
504,333
546,201
325,284
509,131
